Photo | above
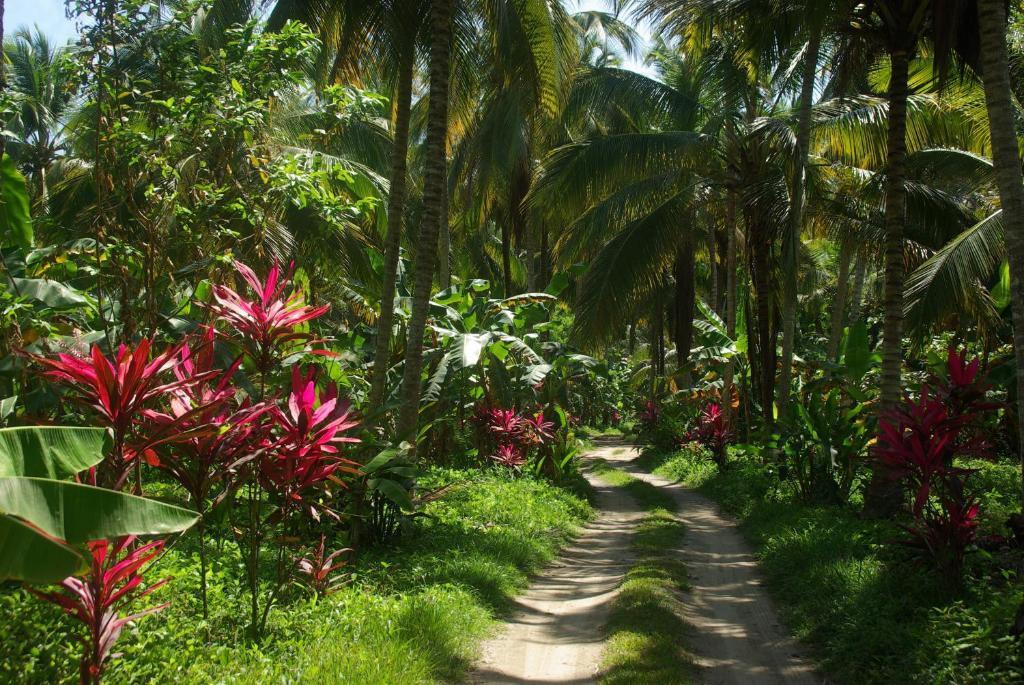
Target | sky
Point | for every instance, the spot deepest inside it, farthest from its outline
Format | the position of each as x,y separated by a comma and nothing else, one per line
49,15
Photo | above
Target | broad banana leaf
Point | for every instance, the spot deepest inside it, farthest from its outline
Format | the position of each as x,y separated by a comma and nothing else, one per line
15,219
62,513
28,554
78,513
49,451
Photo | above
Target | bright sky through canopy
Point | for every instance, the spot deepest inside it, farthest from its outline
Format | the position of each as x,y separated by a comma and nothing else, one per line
49,16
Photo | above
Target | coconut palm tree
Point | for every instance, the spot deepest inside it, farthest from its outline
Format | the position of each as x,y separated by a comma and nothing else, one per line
40,76
1006,159
434,194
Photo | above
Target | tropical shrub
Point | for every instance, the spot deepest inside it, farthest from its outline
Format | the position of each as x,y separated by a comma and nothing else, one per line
712,432
101,599
918,443
826,441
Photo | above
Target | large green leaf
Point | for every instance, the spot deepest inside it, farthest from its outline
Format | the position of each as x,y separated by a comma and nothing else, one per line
51,293
15,221
78,513
49,451
29,555
857,355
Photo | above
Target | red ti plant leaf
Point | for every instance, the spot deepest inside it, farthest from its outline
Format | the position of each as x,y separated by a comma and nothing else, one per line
101,599
505,425
319,571
311,429
537,430
917,446
649,416
268,323
215,430
119,390
509,455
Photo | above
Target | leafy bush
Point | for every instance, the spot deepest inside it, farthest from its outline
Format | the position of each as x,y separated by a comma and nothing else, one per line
917,445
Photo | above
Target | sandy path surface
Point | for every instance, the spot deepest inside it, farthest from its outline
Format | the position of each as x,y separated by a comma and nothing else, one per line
556,633
737,637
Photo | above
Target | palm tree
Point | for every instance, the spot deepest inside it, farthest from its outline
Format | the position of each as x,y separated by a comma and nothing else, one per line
1006,159
44,99
374,39
434,193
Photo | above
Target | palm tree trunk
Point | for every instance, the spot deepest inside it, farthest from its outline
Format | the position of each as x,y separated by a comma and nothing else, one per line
882,496
791,243
895,215
685,301
506,259
393,240
1006,159
730,296
839,304
766,334
713,262
433,201
444,242
545,277
857,302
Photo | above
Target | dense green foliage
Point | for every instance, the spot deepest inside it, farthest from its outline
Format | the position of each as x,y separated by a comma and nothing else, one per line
411,613
870,615
307,264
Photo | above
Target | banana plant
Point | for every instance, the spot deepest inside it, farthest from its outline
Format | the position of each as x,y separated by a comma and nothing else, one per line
47,519
493,336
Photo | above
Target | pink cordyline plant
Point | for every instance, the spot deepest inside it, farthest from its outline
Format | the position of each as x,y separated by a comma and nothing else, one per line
267,325
917,445
118,390
320,571
509,455
713,431
222,433
504,425
99,600
537,430
311,429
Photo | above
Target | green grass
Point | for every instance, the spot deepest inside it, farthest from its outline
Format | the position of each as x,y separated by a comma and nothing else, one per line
870,615
414,613
645,630
646,495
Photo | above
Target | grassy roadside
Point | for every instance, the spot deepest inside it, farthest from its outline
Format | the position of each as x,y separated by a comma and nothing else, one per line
870,617
645,631
414,613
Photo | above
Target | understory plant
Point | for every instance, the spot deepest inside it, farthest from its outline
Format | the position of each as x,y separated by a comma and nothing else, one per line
102,599
713,432
918,444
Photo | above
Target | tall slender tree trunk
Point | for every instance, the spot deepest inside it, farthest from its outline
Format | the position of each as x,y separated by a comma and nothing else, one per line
713,261
393,240
839,304
444,241
433,199
506,259
791,242
882,496
854,314
654,347
1006,159
532,275
730,296
766,332
545,276
685,304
